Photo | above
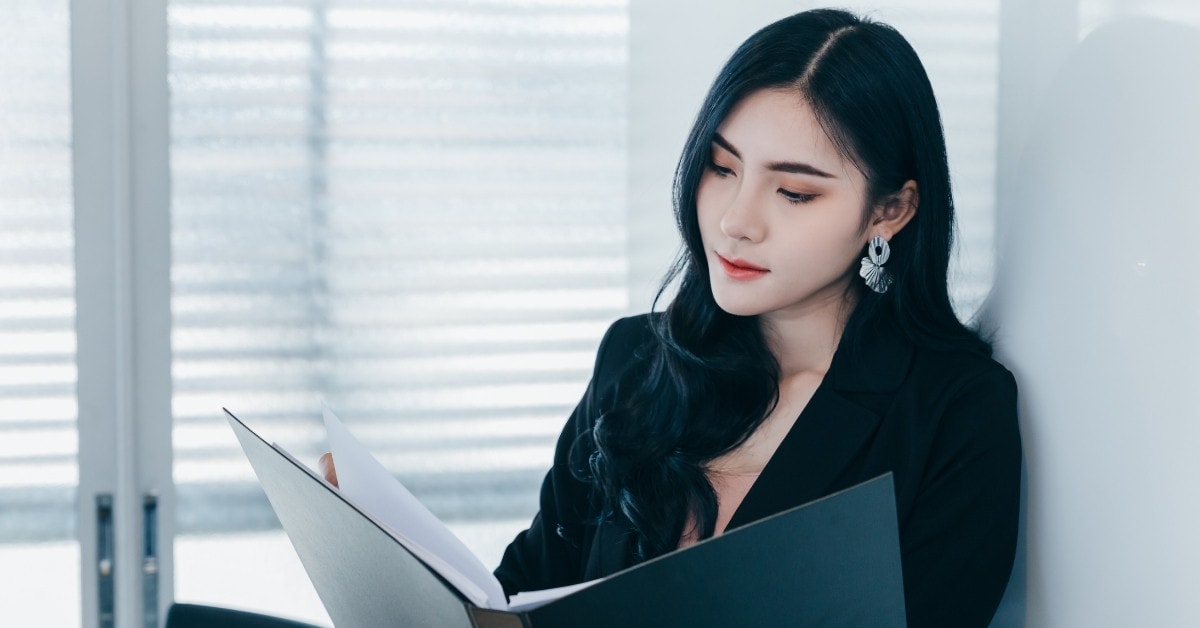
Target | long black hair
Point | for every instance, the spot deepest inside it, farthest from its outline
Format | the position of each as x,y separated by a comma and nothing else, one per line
711,379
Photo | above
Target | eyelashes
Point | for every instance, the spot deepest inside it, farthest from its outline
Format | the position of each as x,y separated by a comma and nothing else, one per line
795,198
719,170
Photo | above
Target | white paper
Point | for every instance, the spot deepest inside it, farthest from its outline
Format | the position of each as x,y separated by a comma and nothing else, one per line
367,483
529,600
464,584
377,493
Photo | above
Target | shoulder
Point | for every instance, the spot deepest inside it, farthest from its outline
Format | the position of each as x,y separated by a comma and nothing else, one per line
968,396
627,340
631,330
954,374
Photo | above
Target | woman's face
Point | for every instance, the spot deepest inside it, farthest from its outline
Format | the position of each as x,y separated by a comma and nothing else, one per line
780,211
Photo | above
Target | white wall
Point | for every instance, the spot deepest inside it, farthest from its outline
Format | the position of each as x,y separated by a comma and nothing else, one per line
1098,302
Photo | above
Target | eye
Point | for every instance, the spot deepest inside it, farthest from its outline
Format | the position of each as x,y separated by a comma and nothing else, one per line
719,170
796,198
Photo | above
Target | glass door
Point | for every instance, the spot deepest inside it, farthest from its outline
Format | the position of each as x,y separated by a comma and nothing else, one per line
40,584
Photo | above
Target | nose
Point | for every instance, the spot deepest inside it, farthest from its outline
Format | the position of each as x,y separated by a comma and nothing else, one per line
742,219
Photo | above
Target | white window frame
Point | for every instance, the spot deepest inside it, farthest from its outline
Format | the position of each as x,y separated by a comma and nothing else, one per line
122,269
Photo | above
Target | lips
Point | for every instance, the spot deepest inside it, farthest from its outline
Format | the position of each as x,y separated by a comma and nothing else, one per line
741,270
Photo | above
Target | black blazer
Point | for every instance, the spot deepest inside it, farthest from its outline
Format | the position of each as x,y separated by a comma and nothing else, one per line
945,423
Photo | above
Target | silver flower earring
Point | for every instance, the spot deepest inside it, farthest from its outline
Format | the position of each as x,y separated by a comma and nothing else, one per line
878,278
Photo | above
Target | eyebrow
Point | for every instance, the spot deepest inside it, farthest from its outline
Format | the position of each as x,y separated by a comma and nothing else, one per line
794,167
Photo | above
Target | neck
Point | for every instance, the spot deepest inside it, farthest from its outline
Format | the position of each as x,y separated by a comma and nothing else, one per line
805,340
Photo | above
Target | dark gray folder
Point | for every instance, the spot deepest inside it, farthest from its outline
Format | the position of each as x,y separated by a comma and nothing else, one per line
832,562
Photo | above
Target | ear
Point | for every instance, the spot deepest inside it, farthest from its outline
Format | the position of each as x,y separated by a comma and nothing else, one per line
890,216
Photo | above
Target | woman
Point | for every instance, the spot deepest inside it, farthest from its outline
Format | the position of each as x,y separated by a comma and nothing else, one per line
811,345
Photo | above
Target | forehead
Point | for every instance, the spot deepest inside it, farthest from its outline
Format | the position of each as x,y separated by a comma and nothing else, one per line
777,125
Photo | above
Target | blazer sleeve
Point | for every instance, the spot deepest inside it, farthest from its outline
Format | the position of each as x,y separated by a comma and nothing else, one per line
551,552
960,539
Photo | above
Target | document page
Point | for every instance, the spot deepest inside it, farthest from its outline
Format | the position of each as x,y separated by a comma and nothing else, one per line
529,600
369,485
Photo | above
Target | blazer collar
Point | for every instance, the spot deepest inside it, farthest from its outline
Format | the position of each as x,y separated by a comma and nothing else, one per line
876,361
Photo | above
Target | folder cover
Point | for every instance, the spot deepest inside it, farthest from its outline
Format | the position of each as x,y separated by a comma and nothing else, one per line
832,562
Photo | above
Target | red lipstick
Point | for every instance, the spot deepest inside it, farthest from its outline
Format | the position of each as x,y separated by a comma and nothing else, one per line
741,270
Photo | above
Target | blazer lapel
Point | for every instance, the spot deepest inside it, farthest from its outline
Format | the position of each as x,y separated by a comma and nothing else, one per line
811,458
816,454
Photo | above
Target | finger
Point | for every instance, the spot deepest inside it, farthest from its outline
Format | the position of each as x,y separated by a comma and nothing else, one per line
325,463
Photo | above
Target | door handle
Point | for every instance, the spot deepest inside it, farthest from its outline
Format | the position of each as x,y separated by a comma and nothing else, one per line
150,560
104,558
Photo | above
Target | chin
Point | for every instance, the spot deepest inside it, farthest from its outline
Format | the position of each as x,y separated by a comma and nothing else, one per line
737,307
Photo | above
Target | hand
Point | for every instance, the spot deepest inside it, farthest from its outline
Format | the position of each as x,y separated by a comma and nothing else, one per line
325,464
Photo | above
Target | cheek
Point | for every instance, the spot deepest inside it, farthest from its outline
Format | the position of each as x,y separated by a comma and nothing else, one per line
830,246
707,207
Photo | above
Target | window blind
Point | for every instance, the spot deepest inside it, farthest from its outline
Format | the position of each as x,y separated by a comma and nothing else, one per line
38,441
413,211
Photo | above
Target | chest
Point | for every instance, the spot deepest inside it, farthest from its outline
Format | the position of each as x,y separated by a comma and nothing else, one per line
734,473
749,458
